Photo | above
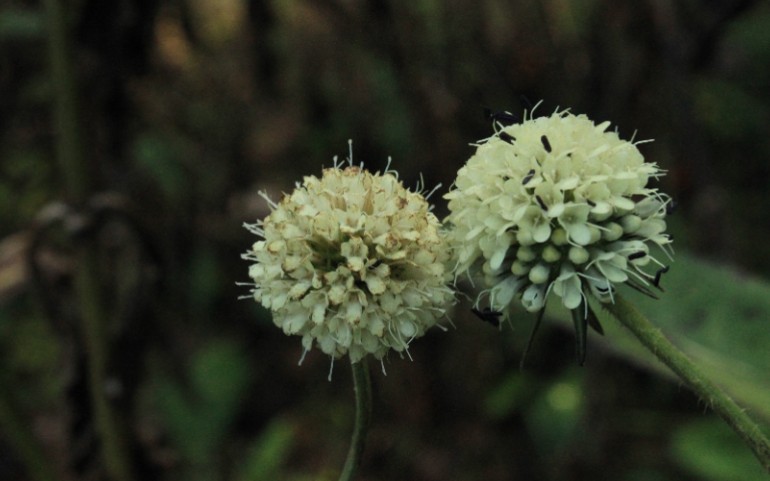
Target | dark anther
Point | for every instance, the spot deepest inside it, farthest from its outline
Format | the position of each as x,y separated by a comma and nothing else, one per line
671,207
504,118
506,137
636,255
546,144
488,315
660,272
528,177
590,202
541,203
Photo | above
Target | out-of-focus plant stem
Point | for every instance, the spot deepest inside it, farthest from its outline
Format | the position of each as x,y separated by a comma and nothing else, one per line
651,337
112,433
362,386
79,184
69,146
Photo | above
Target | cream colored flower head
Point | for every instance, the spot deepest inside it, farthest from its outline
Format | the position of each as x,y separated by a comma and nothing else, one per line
557,206
352,261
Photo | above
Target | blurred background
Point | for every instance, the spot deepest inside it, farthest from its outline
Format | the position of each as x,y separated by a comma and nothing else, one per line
135,134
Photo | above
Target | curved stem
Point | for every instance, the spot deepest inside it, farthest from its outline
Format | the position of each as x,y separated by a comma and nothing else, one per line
675,359
362,386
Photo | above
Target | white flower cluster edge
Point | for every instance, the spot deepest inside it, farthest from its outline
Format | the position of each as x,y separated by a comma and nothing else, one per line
557,204
353,262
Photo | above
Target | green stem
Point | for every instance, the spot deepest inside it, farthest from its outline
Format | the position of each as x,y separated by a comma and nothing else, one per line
93,313
78,183
69,148
721,403
362,386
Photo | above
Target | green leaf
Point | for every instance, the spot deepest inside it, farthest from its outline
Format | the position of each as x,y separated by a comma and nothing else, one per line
21,24
554,416
710,450
198,417
717,316
160,157
728,110
268,452
509,394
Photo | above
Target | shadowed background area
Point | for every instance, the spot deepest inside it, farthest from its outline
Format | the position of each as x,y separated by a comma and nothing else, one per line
124,352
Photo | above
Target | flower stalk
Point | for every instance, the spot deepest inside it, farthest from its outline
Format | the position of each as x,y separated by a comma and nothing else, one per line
652,338
354,263
363,389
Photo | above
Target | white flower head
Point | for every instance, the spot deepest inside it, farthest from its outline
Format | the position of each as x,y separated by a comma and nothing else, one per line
557,205
353,262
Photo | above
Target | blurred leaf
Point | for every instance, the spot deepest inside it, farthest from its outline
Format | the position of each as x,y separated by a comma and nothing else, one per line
710,450
17,23
217,21
508,395
24,184
32,355
727,110
205,279
396,126
219,375
716,316
198,418
268,452
180,415
554,415
159,157
749,35
646,474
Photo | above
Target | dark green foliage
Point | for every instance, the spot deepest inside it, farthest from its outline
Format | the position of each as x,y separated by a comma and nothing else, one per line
727,460
200,414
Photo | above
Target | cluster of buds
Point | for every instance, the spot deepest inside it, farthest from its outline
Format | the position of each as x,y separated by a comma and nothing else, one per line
353,261
557,205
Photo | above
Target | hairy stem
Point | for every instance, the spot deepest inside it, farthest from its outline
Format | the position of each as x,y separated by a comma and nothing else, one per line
721,403
362,386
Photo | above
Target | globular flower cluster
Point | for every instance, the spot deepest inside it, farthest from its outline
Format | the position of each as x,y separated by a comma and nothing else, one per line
557,205
353,261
